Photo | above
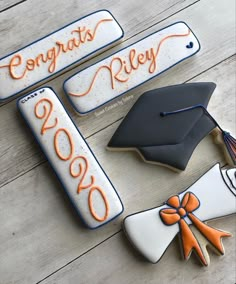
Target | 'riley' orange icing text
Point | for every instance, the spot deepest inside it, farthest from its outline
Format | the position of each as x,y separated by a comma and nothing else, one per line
126,67
18,67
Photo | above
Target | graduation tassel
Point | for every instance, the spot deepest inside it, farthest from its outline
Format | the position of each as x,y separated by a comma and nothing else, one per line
229,141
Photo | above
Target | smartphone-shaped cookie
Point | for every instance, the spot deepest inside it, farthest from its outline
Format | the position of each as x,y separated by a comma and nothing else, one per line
85,182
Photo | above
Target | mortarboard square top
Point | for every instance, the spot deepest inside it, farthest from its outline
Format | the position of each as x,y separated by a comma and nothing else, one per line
168,140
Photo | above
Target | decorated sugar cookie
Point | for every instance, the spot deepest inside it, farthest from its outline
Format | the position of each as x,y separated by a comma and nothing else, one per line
210,197
57,51
83,179
165,125
130,67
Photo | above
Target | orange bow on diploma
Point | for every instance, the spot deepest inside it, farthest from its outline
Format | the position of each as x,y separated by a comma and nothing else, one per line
177,214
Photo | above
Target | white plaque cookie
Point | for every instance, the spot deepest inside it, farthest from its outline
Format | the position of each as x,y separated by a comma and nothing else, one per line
130,67
83,179
57,51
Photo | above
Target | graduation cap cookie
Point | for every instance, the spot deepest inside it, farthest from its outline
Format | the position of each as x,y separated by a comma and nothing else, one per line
165,125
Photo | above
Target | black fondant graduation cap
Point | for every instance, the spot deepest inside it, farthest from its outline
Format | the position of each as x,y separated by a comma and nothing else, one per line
163,138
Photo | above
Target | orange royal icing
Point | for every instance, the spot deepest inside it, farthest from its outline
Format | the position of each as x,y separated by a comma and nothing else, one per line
51,55
91,208
47,107
180,210
129,66
56,145
46,114
82,171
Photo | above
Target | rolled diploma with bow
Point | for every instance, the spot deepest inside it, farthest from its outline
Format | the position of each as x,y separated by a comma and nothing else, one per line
212,196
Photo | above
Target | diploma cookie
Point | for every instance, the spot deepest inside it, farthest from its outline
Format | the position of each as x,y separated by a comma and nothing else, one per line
130,67
57,51
210,197
83,179
165,125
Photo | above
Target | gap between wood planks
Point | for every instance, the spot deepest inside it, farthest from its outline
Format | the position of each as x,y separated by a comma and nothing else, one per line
112,238
89,136
84,253
100,121
54,272
12,6
87,60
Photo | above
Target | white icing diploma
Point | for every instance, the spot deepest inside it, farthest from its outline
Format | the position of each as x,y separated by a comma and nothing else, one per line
83,179
57,51
130,67
216,194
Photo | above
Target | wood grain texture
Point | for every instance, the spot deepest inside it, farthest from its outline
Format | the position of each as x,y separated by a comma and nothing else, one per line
26,155
45,16
7,4
40,232
115,261
50,16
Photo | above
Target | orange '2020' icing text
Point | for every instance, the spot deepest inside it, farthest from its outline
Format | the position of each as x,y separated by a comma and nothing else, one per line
43,110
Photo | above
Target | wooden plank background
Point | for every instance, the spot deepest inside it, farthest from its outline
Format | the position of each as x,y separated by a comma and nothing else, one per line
41,237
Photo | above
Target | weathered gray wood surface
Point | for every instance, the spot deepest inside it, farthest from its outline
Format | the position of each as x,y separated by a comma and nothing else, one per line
40,233
25,157
115,256
45,16
7,4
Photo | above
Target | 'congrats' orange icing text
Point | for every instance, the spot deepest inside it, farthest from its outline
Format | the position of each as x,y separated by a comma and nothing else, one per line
18,66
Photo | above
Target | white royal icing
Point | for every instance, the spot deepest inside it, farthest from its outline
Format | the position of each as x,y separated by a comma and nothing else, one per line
230,178
36,109
152,237
80,39
102,82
